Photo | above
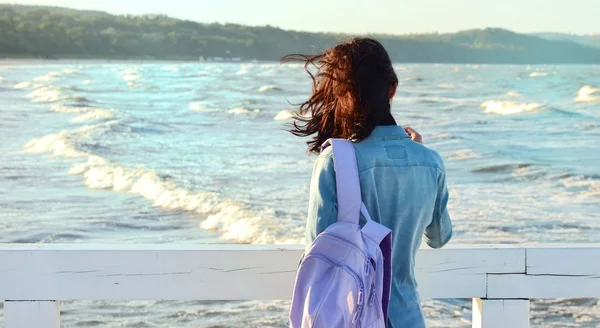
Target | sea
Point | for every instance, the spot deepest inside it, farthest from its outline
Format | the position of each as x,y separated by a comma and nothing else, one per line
192,153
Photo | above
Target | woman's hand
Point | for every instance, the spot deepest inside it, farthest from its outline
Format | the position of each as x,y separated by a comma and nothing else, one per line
414,135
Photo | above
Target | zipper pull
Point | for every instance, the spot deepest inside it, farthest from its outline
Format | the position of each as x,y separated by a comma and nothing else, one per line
372,295
367,265
361,297
355,317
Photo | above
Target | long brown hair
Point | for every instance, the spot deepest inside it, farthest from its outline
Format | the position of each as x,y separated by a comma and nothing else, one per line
350,94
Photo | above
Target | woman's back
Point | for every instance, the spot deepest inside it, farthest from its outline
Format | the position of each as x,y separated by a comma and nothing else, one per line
403,187
403,183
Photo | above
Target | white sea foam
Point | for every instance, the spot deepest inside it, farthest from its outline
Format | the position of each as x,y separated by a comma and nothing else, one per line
242,71
87,113
87,82
94,114
538,74
2,80
294,65
68,71
130,77
267,88
170,68
509,107
45,94
60,144
579,188
242,110
234,221
464,154
446,86
198,107
130,74
588,93
26,85
514,94
284,115
50,76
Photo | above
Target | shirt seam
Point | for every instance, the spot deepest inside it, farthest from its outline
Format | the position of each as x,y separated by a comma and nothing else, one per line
400,165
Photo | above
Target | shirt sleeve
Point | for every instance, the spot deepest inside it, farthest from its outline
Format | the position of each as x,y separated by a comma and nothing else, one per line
439,232
322,203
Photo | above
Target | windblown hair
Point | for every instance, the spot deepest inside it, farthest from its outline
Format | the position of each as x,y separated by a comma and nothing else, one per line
350,94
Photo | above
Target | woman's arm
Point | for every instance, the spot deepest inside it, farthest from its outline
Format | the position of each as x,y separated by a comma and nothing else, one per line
439,231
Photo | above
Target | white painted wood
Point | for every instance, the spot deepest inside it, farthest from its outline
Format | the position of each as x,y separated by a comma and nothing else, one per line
30,314
542,286
462,272
500,313
202,274
565,260
214,272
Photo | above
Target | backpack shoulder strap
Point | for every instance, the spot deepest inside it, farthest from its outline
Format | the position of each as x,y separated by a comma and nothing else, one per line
376,231
347,181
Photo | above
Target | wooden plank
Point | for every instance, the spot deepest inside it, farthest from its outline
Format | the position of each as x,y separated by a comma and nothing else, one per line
510,286
147,275
462,272
565,260
500,313
28,314
214,272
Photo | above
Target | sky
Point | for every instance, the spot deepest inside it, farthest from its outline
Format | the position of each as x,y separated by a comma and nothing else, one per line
366,16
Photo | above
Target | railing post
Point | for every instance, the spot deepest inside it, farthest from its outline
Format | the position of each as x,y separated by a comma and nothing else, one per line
28,314
500,313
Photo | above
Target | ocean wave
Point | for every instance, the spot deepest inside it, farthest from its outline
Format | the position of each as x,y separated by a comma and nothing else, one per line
464,154
129,74
242,71
414,79
130,77
95,114
446,86
47,94
62,144
233,220
514,94
284,115
202,107
588,93
267,88
50,76
509,107
501,168
2,80
242,110
88,82
538,74
582,188
26,85
170,68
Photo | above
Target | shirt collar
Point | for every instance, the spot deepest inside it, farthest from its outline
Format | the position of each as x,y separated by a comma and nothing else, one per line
389,131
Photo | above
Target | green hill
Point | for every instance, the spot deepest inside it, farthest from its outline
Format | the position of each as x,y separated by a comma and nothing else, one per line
52,32
588,40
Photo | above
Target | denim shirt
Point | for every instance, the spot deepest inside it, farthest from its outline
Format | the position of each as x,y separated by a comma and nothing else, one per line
403,186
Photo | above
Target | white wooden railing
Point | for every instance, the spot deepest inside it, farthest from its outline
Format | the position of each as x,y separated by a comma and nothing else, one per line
499,279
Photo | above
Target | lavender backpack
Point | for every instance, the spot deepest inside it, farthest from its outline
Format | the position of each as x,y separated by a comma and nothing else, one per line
344,278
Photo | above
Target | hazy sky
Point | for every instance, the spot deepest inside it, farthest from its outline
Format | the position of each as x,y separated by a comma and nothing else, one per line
362,16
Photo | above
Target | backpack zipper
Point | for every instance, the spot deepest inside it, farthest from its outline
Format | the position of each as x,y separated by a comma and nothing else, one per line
372,295
367,269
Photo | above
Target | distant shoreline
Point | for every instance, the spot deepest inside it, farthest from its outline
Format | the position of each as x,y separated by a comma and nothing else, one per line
55,33
4,61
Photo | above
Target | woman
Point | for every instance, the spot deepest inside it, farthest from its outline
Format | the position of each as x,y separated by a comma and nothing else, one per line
403,183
